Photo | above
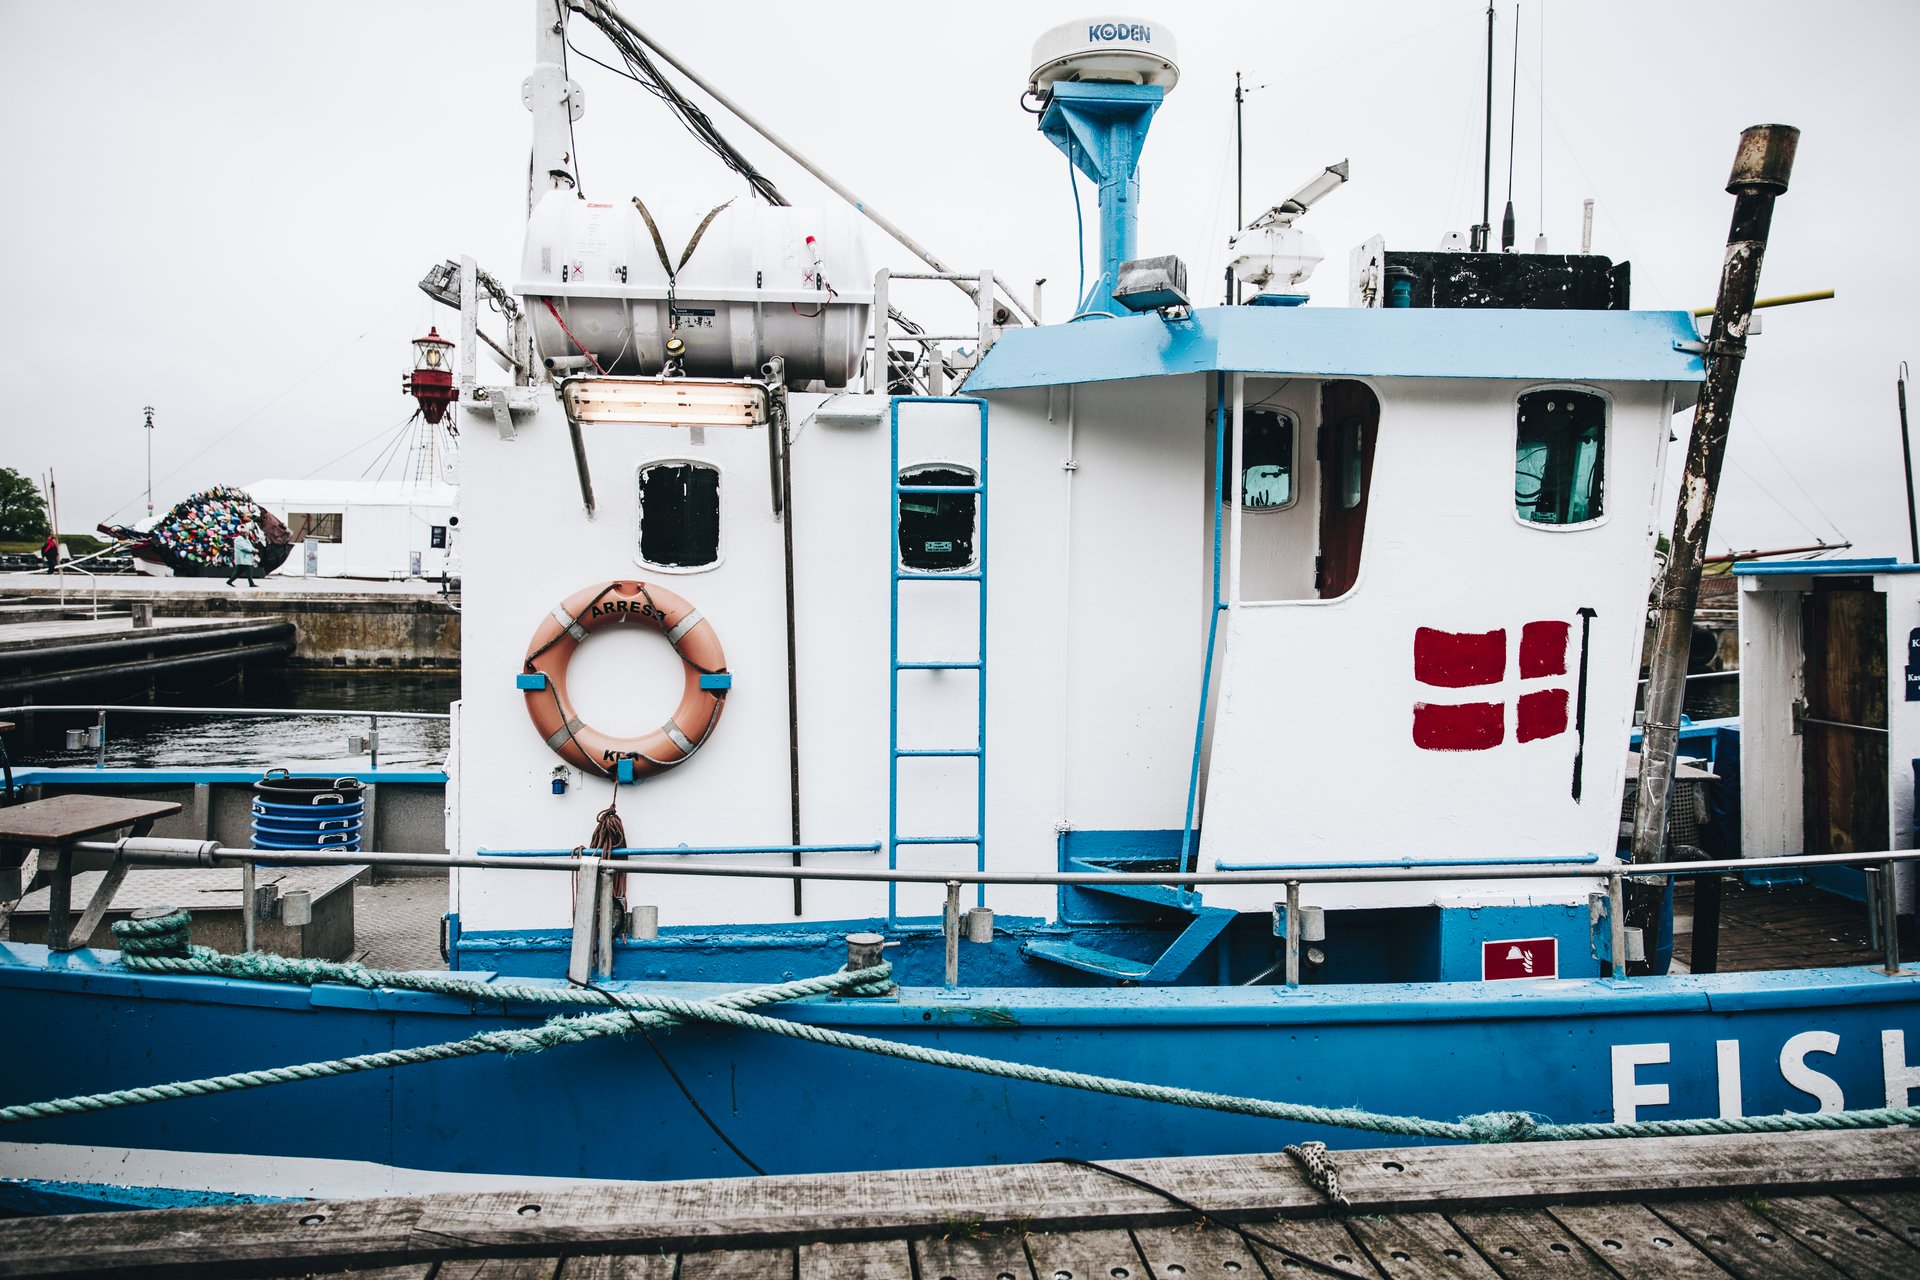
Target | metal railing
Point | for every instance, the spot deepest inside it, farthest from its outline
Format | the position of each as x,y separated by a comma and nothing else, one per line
592,927
369,741
929,366
92,578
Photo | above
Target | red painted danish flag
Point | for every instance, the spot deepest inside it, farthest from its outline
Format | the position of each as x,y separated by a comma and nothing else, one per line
1475,660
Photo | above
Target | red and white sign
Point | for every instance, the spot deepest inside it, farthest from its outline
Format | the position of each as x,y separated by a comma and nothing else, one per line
1519,958
1478,660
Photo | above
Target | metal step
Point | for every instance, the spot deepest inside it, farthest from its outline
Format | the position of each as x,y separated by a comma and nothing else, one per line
1208,924
1159,895
1075,956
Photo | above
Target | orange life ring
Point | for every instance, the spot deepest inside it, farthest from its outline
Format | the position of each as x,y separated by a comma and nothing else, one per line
543,678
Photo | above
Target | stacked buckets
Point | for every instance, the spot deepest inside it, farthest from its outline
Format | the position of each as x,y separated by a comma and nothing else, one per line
307,813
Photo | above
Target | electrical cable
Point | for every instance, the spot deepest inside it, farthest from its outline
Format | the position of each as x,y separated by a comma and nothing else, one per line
566,76
642,70
1079,229
685,1092
581,346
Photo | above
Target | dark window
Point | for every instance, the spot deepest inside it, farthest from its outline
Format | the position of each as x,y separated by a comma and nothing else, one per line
679,515
321,526
437,536
936,529
1266,470
1559,458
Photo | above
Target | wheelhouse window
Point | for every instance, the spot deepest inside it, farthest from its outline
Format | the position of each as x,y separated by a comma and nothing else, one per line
680,515
1559,461
1266,469
937,529
321,526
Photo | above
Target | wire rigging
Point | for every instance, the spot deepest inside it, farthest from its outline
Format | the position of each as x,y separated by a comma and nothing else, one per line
641,69
276,398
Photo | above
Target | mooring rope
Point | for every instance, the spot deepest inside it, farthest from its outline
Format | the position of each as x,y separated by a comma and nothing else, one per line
146,944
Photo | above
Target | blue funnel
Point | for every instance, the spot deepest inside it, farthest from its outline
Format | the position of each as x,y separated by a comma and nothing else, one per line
1102,128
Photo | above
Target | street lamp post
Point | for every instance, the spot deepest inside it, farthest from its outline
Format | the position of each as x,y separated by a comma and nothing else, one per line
149,413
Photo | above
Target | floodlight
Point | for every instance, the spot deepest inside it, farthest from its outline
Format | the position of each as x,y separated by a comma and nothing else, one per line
672,402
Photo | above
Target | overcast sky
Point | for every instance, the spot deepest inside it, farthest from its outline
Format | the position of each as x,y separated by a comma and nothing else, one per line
221,209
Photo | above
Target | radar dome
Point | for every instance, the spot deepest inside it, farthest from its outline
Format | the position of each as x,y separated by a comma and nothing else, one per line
1110,50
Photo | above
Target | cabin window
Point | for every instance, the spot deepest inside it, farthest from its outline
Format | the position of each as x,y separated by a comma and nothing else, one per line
1559,461
680,515
937,529
321,526
1350,462
1266,465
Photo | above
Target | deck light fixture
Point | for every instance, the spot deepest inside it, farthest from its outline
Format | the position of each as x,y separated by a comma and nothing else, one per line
673,402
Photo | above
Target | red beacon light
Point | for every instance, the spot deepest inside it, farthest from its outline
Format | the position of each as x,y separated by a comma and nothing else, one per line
431,382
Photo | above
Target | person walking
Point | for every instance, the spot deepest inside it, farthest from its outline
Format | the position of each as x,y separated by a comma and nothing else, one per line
244,555
50,552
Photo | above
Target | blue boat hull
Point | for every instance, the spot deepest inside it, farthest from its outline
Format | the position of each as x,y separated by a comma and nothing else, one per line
611,1109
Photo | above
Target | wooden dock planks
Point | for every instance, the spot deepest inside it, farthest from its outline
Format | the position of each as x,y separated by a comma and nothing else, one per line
1814,1204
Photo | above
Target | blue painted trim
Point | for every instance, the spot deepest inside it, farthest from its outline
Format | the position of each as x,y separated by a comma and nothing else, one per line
1351,342
721,680
681,850
1545,860
1694,730
1189,857
1844,882
1824,568
530,680
36,1196
150,777
623,771
29,967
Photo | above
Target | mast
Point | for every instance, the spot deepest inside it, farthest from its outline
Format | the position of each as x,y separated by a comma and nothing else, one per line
555,102
1239,169
1760,171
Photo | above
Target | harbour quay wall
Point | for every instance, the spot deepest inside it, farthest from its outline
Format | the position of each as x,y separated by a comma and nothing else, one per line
338,623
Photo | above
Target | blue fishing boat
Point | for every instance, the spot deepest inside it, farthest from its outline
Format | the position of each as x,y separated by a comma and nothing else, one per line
1176,729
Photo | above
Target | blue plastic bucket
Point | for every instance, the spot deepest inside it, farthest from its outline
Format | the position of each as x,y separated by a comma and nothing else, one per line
307,813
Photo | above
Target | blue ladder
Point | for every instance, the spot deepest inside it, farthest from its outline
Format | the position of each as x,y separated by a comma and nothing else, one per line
977,578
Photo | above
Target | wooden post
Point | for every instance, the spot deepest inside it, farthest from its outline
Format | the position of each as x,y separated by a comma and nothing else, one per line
1760,171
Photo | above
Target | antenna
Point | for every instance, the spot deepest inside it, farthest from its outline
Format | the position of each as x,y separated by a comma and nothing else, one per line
1483,231
1513,117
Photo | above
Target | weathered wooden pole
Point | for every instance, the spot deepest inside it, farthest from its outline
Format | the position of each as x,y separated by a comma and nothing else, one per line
1760,172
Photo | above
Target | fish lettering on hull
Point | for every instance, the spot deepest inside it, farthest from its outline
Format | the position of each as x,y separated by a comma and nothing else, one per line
1635,1088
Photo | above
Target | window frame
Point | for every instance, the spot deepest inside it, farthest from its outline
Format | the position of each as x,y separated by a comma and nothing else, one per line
339,519
908,469
639,513
1607,451
1292,419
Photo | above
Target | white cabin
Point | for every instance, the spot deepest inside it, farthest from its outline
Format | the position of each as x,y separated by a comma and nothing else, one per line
364,528
1829,710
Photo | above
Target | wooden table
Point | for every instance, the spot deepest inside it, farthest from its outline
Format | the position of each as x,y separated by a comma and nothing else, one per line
52,826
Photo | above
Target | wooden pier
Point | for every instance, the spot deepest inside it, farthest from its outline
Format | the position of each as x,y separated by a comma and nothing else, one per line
1813,1204
318,622
45,658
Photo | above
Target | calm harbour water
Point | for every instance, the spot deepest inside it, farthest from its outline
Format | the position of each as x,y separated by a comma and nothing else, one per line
138,739
142,740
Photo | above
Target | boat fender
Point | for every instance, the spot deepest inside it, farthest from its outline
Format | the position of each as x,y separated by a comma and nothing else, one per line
543,679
